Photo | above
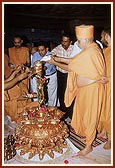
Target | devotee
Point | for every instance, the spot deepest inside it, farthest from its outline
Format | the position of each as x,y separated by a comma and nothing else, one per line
49,72
85,84
63,50
19,55
12,102
105,119
104,42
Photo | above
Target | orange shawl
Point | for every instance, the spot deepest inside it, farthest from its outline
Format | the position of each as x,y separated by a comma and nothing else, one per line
88,99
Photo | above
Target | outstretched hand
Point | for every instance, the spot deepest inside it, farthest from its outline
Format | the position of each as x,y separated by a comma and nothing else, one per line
53,60
17,70
103,80
23,72
22,76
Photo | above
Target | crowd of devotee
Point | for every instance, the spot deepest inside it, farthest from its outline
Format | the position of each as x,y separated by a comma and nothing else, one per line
77,81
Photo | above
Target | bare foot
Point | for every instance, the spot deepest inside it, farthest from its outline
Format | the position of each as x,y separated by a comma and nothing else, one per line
107,145
85,151
102,134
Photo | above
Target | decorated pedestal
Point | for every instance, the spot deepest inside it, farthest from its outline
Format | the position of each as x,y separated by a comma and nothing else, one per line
40,131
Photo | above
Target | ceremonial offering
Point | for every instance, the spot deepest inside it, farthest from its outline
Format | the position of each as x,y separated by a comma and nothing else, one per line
9,148
30,95
40,130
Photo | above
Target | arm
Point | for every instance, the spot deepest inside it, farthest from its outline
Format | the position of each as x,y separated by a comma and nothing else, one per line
9,84
28,59
55,54
60,62
13,74
61,59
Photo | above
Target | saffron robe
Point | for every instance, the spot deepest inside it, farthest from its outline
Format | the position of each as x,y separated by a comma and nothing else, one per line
88,63
19,58
105,119
12,104
7,69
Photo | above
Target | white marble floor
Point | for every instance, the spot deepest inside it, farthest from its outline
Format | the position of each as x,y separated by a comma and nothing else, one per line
97,157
